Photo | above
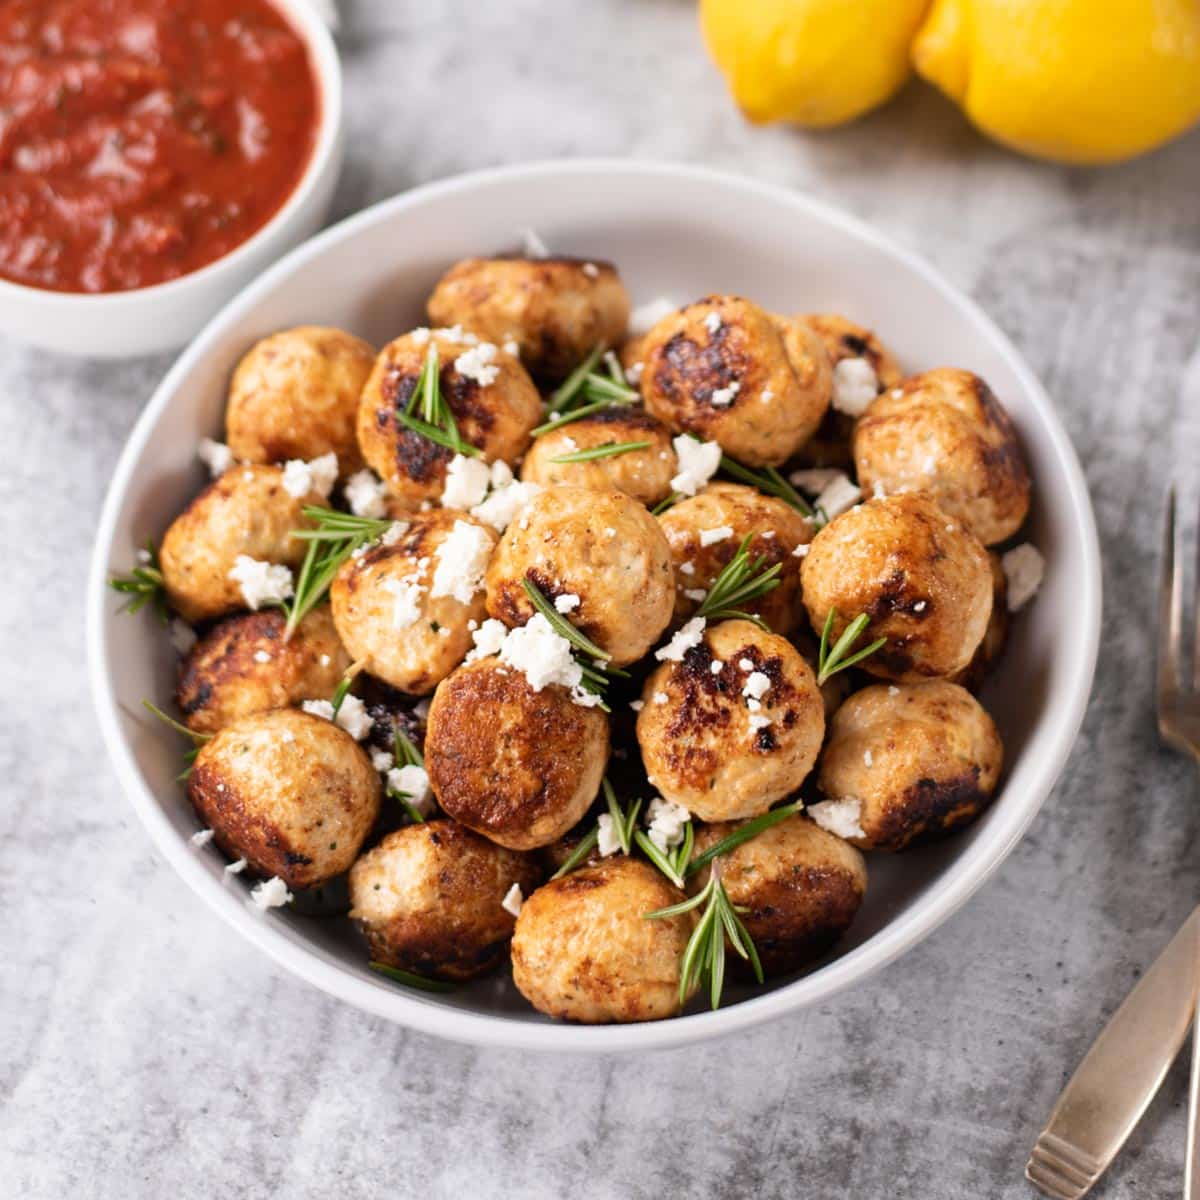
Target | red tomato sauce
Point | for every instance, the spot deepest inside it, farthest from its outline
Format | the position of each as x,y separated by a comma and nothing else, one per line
141,139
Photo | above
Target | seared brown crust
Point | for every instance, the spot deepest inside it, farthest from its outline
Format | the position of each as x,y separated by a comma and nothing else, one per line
922,759
944,432
429,898
518,766
583,950
243,665
922,578
801,888
777,530
295,395
556,309
291,793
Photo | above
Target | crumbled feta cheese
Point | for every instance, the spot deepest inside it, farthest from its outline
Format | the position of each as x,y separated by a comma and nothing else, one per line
216,456
814,480
633,373
757,685
412,782
287,736
919,606
745,664
709,537
609,531
868,758
893,690
182,635
319,708
353,717
879,492
665,823
144,555
467,480
201,837
1024,568
723,397
568,602
855,385
687,568
512,347
271,893
325,660
421,709
513,900
697,594
712,322
462,558
766,396
842,493
532,246
840,817
646,316
929,466
406,593
317,475
262,656
660,697
504,504
382,761
716,666
478,364
393,533
591,270
637,705
261,582
758,721
544,657
608,842
236,868
365,494
570,443
698,463
801,551
753,705
692,634
488,639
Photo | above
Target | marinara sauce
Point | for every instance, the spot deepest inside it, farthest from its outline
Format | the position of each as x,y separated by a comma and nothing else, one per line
141,139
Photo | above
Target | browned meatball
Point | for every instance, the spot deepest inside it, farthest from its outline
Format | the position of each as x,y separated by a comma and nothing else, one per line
915,761
555,309
643,474
799,885
729,372
922,578
494,416
518,766
243,665
844,340
292,794
995,637
295,395
777,528
599,556
584,951
247,511
945,433
429,898
727,743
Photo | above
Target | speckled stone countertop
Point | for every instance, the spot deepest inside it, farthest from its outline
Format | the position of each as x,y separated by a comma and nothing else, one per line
147,1051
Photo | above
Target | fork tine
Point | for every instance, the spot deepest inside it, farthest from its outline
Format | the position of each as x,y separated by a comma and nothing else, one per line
1170,615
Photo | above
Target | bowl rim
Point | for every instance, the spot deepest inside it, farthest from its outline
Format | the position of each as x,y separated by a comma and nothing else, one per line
327,70
971,869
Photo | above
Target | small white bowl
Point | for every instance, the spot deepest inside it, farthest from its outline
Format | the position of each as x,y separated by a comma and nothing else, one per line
150,319
672,230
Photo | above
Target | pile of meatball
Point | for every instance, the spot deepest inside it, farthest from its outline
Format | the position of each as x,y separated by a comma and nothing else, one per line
913,479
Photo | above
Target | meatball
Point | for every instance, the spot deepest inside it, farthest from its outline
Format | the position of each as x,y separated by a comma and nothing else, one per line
243,665
777,530
729,372
555,309
799,885
429,898
922,578
292,794
295,395
517,765
644,474
405,609
734,725
844,340
493,416
917,761
247,511
945,433
995,637
600,557
584,951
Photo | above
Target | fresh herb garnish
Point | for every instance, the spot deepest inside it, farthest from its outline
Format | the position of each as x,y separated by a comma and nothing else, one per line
569,389
673,862
582,850
144,585
839,657
743,833
669,502
410,979
341,692
586,391
428,414
197,739
406,754
624,821
608,450
767,480
742,580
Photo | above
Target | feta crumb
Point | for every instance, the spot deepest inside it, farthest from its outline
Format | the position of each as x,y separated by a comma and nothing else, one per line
897,393
665,823
766,396
753,705
201,837
723,397
287,736
511,346
633,373
893,690
261,582
839,495
609,531
929,466
353,717
841,817
467,480
236,868
687,568
261,656
919,606
406,594
712,322
318,708
271,893
716,666
591,270
182,635
566,603
477,364
801,551
692,634
216,456
505,502
317,475
709,537
325,660
757,685
855,385
637,705
879,492
412,782
608,842
420,336
421,709
532,246
745,664
462,558
488,639
382,761
660,697
758,721
365,494
144,555
646,316
456,333
513,900
544,657
698,463
868,758
697,594
393,533
1024,568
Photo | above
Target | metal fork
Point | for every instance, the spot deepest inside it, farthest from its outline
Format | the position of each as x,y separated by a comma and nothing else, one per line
1179,728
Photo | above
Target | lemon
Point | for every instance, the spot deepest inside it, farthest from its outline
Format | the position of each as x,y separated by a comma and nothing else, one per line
815,62
1078,81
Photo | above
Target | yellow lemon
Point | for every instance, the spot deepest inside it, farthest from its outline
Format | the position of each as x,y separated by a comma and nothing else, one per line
815,62
1078,81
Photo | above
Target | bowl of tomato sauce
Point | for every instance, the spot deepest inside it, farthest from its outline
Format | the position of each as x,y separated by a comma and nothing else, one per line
155,156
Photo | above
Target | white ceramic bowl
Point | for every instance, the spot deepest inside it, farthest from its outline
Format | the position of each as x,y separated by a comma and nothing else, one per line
672,230
147,320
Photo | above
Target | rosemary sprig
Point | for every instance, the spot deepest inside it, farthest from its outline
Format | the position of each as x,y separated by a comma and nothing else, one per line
669,502
743,833
579,854
608,450
197,739
570,387
411,979
436,422
742,580
341,692
144,585
406,754
576,414
586,391
767,480
624,821
672,863
839,657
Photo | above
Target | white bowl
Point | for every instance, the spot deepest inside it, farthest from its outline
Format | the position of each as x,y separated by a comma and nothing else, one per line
672,230
147,320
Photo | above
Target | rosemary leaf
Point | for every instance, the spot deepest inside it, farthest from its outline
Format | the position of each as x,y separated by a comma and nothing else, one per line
409,979
767,480
742,834
741,581
842,655
587,842
570,387
608,450
143,585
